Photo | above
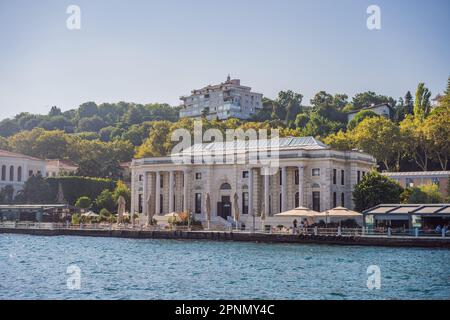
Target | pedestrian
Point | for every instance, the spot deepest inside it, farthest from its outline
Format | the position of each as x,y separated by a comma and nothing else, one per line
295,226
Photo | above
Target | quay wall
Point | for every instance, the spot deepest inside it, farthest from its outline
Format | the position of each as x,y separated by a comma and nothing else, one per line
238,236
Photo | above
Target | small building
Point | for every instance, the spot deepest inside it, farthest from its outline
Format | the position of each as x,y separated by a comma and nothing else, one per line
421,178
383,109
228,99
36,212
407,216
16,168
56,167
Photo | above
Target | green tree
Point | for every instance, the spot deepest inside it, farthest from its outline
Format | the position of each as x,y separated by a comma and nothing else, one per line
124,191
422,103
359,117
340,141
154,146
87,110
36,190
7,194
375,189
416,141
368,98
8,128
55,111
92,124
105,201
422,195
83,203
379,137
437,132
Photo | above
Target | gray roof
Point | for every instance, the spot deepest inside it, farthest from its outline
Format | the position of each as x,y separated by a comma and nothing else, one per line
418,209
290,143
417,173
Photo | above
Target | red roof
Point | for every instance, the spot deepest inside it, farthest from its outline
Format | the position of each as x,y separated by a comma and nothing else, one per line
9,154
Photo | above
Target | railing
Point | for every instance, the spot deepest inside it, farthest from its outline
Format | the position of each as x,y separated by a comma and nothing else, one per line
344,232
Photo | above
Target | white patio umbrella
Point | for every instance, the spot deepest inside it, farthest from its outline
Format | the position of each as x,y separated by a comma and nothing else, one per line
339,214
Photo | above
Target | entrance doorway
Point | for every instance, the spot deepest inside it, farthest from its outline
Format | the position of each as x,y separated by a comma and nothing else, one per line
224,207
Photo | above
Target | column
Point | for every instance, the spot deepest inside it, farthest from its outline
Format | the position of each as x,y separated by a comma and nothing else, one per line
301,182
284,189
157,192
266,190
171,185
133,191
185,191
250,191
144,195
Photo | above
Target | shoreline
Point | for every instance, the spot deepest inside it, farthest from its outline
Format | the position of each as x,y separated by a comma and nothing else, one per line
242,237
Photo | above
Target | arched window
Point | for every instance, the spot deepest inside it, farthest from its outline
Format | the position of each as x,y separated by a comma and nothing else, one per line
3,173
225,186
11,173
19,174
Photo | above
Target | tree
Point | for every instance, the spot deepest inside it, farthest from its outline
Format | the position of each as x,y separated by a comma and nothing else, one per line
422,103
4,143
8,128
340,141
319,126
83,203
375,189
92,124
105,201
437,132
122,190
153,146
422,195
368,98
359,117
87,110
416,141
36,190
408,103
7,194
55,111
291,102
379,137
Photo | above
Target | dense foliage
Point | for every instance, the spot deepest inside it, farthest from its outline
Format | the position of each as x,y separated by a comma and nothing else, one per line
375,189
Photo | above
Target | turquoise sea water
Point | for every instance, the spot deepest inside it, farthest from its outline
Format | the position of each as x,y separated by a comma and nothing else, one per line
35,268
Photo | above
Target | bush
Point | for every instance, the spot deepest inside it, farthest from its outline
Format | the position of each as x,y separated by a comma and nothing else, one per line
76,187
375,189
105,201
83,203
425,194
76,218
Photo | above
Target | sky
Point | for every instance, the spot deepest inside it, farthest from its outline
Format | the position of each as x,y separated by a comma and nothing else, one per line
156,51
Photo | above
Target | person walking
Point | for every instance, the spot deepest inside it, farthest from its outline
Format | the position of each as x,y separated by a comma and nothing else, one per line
294,231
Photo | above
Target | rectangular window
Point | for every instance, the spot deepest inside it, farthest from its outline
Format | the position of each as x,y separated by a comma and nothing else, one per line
342,177
140,177
297,179
409,182
280,178
161,181
316,172
244,174
198,176
334,200
334,176
140,203
161,204
343,200
316,201
244,202
198,203
358,177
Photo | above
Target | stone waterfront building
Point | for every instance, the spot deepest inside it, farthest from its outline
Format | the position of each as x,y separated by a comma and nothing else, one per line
15,169
222,101
310,174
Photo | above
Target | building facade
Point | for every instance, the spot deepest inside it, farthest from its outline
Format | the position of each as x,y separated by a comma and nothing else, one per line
309,174
383,109
226,100
15,169
56,168
421,178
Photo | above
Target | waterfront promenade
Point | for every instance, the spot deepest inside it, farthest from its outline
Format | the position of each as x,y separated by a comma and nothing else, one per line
313,235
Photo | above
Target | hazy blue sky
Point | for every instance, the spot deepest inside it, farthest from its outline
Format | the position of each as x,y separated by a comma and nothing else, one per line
156,51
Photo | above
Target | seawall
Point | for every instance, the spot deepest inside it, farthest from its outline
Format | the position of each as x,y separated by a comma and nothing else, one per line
244,237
